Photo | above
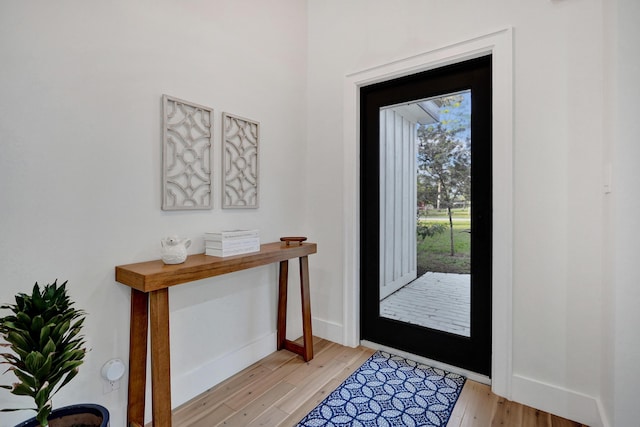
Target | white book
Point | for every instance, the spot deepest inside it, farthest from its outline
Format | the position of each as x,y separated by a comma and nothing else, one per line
229,252
230,234
233,243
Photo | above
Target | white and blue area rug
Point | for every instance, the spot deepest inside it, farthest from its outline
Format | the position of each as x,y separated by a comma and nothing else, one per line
389,391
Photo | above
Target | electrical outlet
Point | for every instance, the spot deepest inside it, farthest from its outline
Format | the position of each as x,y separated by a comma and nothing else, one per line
111,373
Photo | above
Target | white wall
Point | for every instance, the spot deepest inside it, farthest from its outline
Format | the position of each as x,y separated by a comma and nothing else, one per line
558,198
622,348
80,154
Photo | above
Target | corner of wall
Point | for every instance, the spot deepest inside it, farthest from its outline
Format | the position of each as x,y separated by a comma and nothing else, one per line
557,400
328,330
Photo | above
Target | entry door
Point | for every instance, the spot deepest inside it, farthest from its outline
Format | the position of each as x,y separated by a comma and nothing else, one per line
382,237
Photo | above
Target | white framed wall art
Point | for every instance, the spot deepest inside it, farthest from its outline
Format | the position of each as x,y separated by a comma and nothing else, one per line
240,161
187,155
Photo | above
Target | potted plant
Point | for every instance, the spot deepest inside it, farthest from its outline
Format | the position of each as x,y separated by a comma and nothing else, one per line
43,333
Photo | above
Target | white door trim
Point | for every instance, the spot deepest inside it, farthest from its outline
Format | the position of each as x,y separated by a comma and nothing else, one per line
500,45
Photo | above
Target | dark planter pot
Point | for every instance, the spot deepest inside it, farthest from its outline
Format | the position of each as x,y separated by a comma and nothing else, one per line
86,414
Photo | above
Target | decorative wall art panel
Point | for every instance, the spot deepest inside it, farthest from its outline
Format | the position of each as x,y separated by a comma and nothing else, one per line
240,160
186,170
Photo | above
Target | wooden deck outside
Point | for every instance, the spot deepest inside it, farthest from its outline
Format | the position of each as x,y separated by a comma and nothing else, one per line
439,301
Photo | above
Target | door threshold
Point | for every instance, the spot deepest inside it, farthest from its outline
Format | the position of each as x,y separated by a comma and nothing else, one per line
474,376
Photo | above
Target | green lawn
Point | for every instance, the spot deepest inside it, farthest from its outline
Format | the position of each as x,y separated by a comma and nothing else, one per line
434,252
456,213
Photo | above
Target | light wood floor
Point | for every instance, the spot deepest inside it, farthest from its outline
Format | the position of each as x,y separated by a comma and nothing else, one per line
281,389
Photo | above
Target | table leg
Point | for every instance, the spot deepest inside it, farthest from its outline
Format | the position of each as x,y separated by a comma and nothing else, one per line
283,278
307,335
306,349
160,358
138,329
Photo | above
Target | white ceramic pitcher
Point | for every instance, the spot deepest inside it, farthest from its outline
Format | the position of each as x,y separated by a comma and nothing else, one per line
174,249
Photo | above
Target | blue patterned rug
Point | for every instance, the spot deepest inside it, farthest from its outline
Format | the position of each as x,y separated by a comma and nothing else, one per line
389,391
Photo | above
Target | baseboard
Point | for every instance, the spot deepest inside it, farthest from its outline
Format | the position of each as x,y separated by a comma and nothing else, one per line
603,414
328,330
557,400
199,380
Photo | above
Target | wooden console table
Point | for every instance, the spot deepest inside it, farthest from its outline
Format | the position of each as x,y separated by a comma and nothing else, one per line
150,282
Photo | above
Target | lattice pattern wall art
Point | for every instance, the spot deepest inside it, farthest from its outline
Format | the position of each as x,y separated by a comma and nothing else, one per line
240,162
186,171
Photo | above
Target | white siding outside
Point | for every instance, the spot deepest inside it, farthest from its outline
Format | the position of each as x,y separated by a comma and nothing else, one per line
397,201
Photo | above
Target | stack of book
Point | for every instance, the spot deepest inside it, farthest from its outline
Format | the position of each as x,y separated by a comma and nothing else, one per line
231,242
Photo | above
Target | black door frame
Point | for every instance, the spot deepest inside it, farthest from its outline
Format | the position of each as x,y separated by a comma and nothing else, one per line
472,353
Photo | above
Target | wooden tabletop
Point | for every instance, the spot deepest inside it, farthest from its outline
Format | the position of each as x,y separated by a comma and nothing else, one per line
154,275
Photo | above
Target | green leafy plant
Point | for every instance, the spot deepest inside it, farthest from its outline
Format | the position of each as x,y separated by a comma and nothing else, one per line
43,333
423,230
